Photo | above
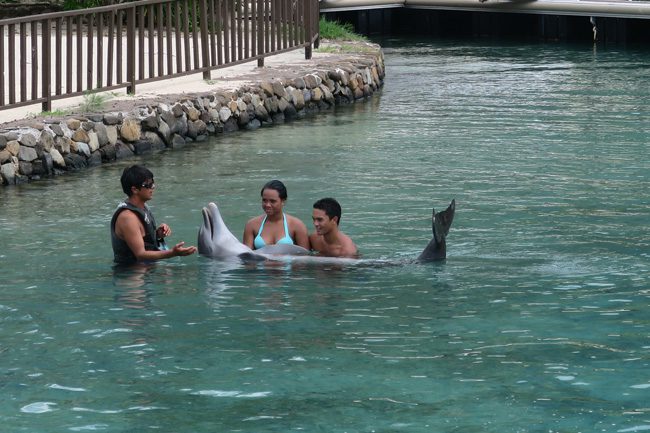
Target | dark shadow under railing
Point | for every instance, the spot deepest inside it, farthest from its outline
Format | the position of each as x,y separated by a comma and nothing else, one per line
59,55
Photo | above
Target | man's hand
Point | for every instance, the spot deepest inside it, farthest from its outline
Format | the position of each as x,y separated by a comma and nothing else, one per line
179,250
163,231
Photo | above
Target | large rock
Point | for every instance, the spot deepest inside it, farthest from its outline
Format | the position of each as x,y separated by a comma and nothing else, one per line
27,140
297,99
278,89
177,110
27,154
261,113
46,140
47,163
282,104
80,135
93,141
57,159
112,118
5,156
8,173
83,149
244,118
312,81
3,142
156,142
62,144
253,124
192,113
164,131
150,123
56,129
25,168
95,159
130,130
142,146
316,94
13,147
74,161
73,124
298,83
102,134
122,150
267,88
290,112
108,152
177,141
327,94
231,125
196,128
224,114
111,134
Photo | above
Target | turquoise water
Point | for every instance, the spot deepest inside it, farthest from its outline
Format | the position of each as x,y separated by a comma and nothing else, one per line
537,322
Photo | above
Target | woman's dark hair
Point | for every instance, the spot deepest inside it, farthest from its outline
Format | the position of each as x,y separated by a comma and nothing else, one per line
276,185
135,176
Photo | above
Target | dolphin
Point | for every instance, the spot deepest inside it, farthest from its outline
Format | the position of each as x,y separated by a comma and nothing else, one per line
216,241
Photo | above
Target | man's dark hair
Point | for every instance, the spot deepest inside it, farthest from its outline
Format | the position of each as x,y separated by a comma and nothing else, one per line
331,207
276,185
135,176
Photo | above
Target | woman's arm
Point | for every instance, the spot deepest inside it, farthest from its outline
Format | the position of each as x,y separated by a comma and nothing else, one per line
249,233
299,232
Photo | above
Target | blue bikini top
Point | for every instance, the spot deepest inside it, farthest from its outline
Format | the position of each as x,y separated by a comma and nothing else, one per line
259,241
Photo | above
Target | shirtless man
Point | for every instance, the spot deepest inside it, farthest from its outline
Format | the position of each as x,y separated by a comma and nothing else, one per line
134,235
328,240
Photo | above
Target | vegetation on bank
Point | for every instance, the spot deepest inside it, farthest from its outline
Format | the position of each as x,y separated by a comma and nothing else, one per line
334,30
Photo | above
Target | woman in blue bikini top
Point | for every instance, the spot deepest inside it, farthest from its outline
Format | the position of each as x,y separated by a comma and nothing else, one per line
275,226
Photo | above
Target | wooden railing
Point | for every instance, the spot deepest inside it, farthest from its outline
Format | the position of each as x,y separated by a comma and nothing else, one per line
59,55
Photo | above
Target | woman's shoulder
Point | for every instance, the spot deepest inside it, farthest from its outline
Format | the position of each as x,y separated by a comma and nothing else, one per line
255,221
294,221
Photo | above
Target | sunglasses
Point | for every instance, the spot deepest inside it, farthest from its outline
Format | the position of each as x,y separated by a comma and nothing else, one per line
149,185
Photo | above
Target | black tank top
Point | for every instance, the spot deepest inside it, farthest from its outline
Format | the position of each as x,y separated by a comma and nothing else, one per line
121,252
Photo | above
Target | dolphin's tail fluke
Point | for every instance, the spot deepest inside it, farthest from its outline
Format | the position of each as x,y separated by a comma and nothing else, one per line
441,221
440,224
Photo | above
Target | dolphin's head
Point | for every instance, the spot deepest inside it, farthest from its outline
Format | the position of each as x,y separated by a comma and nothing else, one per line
215,240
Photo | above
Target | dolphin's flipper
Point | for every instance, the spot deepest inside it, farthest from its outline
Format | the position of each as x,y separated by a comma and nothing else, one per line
283,249
251,257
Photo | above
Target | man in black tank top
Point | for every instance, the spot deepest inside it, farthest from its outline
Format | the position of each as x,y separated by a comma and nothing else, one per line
134,234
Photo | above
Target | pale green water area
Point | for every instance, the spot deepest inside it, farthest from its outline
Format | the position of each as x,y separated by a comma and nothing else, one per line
539,320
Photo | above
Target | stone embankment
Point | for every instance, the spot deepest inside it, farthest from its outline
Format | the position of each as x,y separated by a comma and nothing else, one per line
48,148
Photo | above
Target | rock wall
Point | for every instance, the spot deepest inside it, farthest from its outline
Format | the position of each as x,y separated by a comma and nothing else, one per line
47,149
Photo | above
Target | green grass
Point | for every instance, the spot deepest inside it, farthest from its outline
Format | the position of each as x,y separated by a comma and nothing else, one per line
345,48
54,113
335,30
93,102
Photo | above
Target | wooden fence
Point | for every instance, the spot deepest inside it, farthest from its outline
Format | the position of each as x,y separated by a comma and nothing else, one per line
59,55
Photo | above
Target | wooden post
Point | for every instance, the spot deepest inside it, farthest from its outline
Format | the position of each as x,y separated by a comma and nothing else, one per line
130,50
46,85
